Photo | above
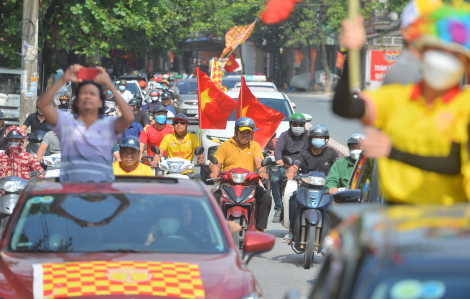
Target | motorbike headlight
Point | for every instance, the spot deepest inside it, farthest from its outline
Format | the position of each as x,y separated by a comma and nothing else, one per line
163,167
238,178
10,187
250,296
187,167
175,167
314,180
217,139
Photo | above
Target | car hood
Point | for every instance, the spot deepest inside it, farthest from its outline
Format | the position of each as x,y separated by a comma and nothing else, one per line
188,96
223,275
228,132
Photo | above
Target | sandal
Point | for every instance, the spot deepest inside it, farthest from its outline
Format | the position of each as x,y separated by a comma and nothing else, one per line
288,238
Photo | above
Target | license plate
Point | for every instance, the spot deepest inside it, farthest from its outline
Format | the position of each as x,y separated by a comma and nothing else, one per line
193,111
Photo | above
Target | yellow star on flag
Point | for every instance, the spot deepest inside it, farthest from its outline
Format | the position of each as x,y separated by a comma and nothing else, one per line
229,63
205,99
244,111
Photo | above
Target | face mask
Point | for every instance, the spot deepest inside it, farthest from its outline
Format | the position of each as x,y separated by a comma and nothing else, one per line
39,112
110,92
122,87
63,103
132,110
164,88
298,131
154,99
160,119
171,83
114,82
441,70
169,226
169,121
13,144
318,143
354,154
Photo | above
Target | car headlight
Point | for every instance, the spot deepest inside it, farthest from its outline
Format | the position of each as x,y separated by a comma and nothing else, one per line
238,178
250,296
10,187
217,139
314,180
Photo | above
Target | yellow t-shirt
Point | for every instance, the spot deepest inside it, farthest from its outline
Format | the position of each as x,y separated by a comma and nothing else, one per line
140,169
176,149
421,129
231,156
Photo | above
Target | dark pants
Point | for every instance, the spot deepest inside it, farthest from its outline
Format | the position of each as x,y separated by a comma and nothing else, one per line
263,202
292,209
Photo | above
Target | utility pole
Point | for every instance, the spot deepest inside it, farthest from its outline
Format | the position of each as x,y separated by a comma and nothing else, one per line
29,58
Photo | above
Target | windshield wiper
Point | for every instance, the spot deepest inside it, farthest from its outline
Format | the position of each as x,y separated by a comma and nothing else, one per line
124,251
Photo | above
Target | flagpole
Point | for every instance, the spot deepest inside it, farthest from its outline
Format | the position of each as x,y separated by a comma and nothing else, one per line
354,55
252,24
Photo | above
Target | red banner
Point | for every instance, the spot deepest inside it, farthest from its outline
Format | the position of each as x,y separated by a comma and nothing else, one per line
380,62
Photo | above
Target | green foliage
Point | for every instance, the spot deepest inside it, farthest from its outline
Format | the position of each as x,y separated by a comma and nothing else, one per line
10,35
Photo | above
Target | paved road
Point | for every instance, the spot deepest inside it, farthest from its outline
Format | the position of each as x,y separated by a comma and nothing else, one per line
281,269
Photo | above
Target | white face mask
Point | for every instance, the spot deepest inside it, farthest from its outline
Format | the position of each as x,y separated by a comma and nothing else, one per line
169,226
441,70
298,131
354,154
13,144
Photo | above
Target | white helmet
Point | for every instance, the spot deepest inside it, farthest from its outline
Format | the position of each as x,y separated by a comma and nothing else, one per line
170,115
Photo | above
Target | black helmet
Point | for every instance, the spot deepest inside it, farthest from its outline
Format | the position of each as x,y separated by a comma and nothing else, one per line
1,115
64,96
355,138
159,108
13,134
130,141
318,130
134,102
166,95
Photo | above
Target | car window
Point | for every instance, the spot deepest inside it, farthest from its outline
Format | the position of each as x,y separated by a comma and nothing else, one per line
187,87
10,83
133,88
113,222
279,105
230,83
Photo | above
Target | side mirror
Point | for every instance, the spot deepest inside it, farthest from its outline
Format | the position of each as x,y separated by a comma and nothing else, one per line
347,196
308,117
293,105
288,161
155,149
199,150
191,132
298,163
34,174
266,162
111,110
213,159
256,243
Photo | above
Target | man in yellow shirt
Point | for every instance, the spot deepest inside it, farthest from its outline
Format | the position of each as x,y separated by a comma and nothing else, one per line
241,151
422,147
179,144
129,165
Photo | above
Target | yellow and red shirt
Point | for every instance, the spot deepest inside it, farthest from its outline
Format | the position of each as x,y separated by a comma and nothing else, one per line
178,149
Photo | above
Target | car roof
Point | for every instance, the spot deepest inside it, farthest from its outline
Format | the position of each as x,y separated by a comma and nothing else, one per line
259,83
124,184
259,94
415,231
252,88
188,80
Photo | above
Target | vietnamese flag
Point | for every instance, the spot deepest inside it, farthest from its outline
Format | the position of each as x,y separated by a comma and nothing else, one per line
214,105
277,11
267,120
231,64
339,60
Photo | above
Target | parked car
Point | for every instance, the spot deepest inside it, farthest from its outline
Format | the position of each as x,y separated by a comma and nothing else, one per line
398,252
211,139
188,103
270,85
139,236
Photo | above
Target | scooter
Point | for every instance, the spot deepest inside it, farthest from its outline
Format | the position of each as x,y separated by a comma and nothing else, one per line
34,141
238,199
53,165
11,186
173,167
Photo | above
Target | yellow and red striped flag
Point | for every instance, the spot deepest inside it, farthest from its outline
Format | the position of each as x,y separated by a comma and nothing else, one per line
236,36
216,75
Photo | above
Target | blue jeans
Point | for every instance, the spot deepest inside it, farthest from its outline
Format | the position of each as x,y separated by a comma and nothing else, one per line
292,209
276,181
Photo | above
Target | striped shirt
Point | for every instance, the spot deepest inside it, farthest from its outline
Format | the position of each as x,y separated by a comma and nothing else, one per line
85,153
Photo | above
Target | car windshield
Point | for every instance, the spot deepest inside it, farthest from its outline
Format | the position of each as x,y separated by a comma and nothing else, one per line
118,223
133,88
230,83
418,285
10,83
279,105
186,87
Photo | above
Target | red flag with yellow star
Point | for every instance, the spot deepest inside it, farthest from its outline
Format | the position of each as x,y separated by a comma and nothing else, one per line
236,36
214,105
267,120
339,60
231,64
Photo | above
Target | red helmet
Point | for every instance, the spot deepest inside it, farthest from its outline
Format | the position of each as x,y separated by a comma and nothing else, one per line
155,93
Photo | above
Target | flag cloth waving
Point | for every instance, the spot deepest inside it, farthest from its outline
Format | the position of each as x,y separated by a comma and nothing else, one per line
214,105
267,120
231,64
236,36
339,60
216,75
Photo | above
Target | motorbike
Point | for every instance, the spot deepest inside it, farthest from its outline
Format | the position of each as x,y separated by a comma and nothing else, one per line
109,111
53,165
238,187
311,218
11,186
34,141
178,167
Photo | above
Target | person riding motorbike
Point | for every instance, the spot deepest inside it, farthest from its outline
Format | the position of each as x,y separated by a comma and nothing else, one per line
141,82
110,101
134,129
140,116
173,88
129,154
341,170
290,143
37,121
154,134
154,101
15,162
242,151
166,102
180,143
64,102
318,158
125,94
51,142
159,88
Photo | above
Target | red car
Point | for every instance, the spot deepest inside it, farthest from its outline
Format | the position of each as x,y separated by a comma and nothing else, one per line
146,237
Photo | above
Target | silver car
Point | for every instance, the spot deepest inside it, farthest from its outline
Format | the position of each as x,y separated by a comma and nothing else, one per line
187,102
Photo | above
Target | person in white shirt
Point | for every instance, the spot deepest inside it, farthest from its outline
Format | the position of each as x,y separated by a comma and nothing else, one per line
126,94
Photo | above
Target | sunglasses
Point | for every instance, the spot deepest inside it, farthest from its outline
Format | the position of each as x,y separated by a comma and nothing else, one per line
179,122
298,125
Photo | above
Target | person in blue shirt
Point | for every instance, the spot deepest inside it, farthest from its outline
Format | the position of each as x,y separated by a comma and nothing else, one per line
166,101
134,129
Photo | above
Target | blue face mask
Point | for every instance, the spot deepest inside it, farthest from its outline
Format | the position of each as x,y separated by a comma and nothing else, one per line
169,121
318,143
122,87
109,92
160,119
114,82
171,83
164,87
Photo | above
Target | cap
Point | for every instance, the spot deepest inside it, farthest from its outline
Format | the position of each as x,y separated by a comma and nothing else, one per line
245,128
181,116
159,108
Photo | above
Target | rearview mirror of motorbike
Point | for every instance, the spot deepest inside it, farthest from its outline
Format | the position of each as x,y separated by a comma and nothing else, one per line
191,132
198,150
298,163
213,159
34,174
288,161
155,149
347,196
256,243
266,162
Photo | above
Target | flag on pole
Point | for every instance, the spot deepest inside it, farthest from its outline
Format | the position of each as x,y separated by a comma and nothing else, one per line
231,64
236,36
216,75
172,56
277,11
298,57
267,120
214,105
339,60
313,54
